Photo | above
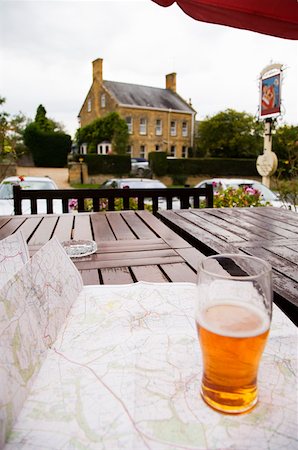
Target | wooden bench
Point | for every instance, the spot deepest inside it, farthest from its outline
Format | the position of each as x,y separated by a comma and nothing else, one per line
187,196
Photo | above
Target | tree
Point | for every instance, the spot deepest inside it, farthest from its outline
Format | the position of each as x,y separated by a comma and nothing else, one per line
285,145
109,128
230,134
11,133
48,144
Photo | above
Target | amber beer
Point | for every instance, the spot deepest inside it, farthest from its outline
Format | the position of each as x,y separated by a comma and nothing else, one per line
232,336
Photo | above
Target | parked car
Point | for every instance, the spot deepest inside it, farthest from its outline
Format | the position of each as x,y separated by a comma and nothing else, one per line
6,194
140,167
266,194
133,183
141,183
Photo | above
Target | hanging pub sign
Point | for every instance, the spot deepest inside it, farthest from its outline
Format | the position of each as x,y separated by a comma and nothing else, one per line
270,90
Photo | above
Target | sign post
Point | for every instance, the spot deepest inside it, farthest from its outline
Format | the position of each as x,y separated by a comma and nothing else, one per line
270,103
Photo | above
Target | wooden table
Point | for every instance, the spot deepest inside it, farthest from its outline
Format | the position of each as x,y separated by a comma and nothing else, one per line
132,245
269,233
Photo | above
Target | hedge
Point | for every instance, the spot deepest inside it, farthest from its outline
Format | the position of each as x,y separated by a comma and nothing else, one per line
101,164
202,166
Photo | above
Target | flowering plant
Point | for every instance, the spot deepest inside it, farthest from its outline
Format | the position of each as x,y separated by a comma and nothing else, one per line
103,204
240,197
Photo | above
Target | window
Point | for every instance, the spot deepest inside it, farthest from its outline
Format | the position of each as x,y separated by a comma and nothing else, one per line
83,149
184,152
173,128
103,100
129,150
158,127
89,105
184,129
142,151
143,125
104,148
173,151
129,124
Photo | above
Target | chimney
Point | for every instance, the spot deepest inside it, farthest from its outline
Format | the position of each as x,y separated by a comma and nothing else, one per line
171,81
97,70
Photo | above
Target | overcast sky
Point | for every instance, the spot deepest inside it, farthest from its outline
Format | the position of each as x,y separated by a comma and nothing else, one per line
47,48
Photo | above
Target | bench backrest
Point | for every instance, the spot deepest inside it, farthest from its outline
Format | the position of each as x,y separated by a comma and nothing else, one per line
187,196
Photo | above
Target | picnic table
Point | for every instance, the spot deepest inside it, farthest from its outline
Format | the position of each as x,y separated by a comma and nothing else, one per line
269,233
131,245
136,246
121,360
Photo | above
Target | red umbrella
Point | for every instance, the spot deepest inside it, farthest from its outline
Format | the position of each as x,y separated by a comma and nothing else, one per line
273,17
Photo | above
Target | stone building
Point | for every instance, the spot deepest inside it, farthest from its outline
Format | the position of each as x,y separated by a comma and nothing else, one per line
157,119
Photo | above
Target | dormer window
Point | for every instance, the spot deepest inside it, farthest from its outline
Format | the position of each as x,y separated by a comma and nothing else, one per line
103,100
89,105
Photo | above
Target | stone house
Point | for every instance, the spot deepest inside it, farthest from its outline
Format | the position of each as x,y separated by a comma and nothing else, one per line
157,119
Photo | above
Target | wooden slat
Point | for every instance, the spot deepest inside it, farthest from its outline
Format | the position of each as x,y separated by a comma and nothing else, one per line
123,260
131,245
271,223
63,230
138,226
191,255
179,272
119,227
30,224
44,231
101,228
200,238
244,229
82,227
170,237
11,226
118,275
214,229
90,277
149,273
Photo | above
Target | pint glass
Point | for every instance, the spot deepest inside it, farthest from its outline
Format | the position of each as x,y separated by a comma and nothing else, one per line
233,316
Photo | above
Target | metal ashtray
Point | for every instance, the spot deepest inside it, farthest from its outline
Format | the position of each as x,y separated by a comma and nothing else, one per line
77,249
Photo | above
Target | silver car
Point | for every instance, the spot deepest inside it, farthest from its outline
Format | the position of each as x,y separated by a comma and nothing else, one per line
141,183
140,167
36,183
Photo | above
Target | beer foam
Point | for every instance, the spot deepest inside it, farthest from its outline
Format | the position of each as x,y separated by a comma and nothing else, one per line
233,319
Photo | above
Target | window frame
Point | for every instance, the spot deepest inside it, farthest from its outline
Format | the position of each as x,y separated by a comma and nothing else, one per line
129,124
143,126
184,128
158,128
89,105
103,101
173,128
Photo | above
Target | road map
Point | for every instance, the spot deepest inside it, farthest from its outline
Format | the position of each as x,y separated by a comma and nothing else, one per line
124,373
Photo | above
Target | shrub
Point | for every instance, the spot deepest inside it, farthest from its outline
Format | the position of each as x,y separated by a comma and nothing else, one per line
212,166
241,197
158,163
179,180
116,164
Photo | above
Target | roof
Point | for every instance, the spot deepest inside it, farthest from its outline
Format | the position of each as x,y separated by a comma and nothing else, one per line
146,96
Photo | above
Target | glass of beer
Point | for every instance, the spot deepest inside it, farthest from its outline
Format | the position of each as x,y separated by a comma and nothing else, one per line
233,316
